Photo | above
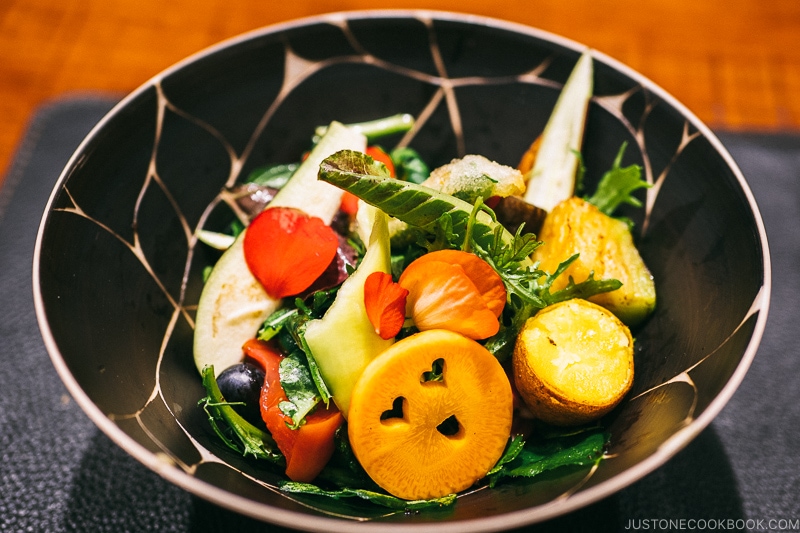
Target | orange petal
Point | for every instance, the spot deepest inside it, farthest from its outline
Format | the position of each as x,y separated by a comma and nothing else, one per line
487,282
442,296
385,302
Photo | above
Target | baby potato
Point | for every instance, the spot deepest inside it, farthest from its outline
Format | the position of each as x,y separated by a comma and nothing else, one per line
573,362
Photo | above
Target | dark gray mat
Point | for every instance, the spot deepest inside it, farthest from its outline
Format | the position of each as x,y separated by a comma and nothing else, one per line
59,473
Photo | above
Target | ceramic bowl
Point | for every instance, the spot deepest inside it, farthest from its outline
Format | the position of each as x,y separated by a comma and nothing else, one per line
118,272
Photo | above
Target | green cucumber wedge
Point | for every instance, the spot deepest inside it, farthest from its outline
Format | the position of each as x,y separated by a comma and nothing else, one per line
344,341
552,178
233,303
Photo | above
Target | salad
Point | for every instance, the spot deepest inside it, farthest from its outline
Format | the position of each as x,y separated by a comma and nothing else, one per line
378,330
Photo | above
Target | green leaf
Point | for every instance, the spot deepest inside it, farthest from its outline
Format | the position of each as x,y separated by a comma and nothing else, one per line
409,166
617,186
301,390
378,498
236,432
276,322
414,204
275,176
534,458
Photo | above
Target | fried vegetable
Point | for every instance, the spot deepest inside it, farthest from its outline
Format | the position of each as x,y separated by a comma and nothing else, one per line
512,212
475,176
431,415
573,362
606,248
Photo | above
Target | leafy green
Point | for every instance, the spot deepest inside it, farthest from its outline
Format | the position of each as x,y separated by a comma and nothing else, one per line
529,459
274,176
414,204
617,186
236,432
301,390
275,323
378,498
409,166
287,325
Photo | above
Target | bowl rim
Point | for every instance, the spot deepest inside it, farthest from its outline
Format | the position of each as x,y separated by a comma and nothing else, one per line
267,513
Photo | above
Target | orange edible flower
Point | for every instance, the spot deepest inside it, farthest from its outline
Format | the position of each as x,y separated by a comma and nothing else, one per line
454,290
385,302
287,250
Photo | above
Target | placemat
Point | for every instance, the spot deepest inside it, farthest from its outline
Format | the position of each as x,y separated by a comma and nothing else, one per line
59,473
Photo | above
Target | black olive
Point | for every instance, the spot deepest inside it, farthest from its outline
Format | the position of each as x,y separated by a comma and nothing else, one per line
242,383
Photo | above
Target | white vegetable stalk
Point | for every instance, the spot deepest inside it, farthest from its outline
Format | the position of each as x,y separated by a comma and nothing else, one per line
552,178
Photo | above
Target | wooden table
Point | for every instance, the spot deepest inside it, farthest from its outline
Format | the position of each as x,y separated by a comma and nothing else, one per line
734,63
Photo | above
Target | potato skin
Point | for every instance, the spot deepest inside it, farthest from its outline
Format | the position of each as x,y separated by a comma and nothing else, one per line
574,332
606,247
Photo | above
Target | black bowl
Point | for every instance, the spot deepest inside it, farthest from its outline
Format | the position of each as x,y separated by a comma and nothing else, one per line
118,271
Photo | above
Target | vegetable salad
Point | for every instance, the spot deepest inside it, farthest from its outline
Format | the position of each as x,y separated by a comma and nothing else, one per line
383,331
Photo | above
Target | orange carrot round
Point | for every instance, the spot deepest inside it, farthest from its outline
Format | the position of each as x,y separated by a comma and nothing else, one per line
421,433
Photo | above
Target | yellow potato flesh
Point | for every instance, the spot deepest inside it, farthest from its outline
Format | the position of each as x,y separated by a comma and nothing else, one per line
573,362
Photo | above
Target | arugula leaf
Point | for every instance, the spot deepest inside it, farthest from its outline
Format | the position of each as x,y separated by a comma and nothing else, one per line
533,458
617,186
236,432
378,498
276,322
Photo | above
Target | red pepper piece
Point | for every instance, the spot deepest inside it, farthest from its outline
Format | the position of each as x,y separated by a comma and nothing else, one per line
307,449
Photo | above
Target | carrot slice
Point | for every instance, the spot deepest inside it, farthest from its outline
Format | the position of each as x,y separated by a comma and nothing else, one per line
287,250
385,303
422,438
454,290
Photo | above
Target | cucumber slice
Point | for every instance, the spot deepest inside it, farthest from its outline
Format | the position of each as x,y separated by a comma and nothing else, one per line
344,341
233,304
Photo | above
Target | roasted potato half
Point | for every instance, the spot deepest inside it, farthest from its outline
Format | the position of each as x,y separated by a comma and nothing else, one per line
573,362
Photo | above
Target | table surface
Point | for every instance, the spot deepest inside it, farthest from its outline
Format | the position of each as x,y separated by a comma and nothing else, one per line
734,63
